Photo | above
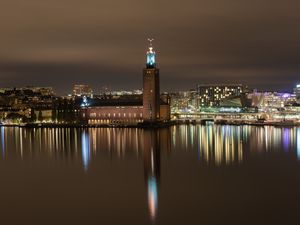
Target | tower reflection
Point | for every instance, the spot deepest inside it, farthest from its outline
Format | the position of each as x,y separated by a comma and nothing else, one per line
152,169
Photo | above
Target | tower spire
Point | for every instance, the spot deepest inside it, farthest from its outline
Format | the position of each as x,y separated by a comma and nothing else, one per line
150,41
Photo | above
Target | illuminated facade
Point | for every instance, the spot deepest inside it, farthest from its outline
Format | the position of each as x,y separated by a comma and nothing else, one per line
272,101
213,95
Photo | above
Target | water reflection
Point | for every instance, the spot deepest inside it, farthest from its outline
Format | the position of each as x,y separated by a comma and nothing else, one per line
152,168
213,145
85,149
2,143
298,143
210,145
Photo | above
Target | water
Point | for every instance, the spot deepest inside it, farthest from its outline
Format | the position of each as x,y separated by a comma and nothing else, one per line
178,175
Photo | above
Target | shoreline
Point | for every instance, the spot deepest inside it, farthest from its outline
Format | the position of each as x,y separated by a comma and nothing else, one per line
244,123
78,125
156,125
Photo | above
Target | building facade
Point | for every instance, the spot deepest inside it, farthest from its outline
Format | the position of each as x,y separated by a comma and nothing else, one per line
212,95
272,101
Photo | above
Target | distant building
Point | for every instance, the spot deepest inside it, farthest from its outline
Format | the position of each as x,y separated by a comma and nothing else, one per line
23,104
122,92
271,101
44,91
27,91
131,109
297,91
184,101
82,90
211,95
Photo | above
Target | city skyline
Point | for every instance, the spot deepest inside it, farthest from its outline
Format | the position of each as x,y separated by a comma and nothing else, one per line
149,112
97,43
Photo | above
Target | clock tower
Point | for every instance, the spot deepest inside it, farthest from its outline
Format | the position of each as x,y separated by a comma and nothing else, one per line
151,93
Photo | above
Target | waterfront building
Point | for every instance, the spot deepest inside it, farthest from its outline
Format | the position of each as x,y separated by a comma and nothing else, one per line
131,109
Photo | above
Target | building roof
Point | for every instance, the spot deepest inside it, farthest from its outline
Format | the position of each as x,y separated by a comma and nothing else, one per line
116,100
221,85
119,100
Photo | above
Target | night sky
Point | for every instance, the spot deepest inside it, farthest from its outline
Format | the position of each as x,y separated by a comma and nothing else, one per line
103,43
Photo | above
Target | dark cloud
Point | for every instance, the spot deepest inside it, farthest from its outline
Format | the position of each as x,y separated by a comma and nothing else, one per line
62,42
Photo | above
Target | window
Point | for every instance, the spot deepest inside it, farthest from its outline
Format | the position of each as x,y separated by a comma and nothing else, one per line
93,115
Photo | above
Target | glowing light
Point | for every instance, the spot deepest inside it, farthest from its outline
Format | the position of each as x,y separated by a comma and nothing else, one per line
231,109
84,102
286,95
286,139
298,143
152,197
150,55
3,142
85,149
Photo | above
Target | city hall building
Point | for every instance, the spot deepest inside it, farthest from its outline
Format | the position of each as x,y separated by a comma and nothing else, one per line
150,107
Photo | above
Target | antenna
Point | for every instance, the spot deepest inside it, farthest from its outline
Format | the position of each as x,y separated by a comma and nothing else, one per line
150,41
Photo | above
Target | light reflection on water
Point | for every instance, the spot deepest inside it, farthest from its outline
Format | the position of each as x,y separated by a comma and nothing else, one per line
298,143
211,145
85,149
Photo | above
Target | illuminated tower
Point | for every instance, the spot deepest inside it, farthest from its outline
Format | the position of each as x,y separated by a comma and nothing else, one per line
151,95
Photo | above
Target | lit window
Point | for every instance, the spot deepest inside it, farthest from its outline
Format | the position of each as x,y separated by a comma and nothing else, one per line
93,115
